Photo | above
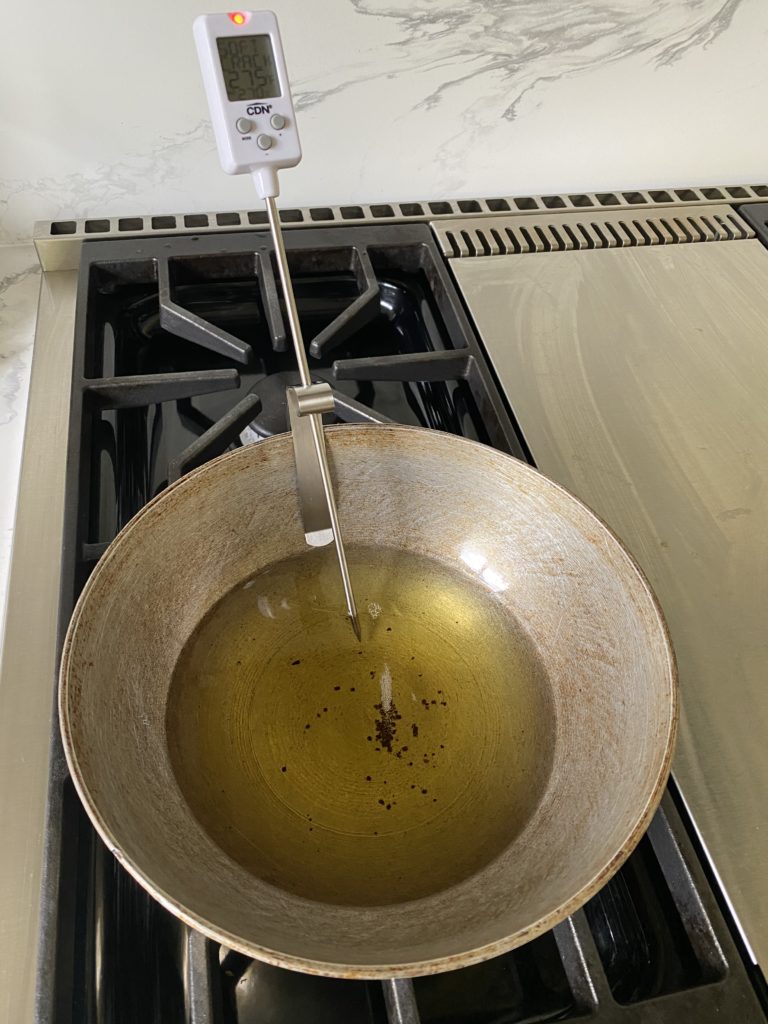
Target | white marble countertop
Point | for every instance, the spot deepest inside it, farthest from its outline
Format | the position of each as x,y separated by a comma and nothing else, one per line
396,100
19,286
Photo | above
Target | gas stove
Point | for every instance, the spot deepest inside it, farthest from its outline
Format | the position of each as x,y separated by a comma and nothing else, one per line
179,353
163,340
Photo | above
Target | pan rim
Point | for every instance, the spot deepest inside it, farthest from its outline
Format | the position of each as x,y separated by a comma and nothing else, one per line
413,968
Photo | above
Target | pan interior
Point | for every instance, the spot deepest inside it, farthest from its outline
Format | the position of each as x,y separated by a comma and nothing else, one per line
366,773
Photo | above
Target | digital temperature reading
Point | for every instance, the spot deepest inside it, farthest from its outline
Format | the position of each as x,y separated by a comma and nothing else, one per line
249,95
248,66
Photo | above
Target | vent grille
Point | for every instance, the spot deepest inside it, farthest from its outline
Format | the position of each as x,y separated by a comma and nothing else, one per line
566,230
422,210
58,242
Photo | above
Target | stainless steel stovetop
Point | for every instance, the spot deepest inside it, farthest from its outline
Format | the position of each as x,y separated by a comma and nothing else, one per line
625,334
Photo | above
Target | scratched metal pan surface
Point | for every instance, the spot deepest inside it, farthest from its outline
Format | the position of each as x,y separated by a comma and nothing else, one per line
574,589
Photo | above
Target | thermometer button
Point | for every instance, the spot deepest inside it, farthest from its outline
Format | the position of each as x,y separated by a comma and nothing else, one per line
277,121
243,125
264,141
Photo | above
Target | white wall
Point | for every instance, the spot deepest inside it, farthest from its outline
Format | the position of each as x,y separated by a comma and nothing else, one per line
102,111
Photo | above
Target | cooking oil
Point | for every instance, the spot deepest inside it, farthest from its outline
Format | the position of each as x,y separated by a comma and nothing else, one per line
369,772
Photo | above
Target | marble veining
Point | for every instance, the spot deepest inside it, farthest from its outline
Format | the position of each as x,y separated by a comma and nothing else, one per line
400,99
482,59
15,341
518,45
109,187
19,285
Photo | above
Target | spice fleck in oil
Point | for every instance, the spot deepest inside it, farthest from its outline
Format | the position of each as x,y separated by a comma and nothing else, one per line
368,772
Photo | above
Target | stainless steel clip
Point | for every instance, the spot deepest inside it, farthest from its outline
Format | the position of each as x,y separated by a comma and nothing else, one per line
317,501
305,408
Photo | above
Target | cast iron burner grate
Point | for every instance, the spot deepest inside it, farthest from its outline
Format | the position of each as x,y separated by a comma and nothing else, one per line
181,354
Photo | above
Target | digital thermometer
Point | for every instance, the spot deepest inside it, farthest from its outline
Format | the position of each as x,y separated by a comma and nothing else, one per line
255,127
249,96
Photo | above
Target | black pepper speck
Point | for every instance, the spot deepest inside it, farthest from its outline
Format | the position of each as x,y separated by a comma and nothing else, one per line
386,727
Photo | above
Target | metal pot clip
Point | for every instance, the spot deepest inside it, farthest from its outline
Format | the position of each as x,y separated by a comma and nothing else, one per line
305,408
317,502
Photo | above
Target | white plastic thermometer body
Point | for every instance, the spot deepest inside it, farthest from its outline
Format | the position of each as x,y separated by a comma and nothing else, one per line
249,97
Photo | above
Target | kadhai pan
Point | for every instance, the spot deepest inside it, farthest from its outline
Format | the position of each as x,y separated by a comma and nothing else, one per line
579,595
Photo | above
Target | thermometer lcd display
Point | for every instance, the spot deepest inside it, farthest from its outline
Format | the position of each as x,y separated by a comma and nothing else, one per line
248,65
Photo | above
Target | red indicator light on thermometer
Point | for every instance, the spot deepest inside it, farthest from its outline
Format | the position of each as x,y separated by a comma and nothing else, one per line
238,17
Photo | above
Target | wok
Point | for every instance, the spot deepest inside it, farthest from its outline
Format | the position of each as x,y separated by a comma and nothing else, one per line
572,587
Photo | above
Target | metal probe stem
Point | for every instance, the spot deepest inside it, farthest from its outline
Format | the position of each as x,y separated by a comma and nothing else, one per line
315,420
